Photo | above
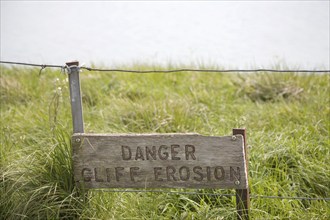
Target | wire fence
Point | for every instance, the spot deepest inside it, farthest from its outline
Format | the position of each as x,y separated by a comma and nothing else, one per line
65,67
215,194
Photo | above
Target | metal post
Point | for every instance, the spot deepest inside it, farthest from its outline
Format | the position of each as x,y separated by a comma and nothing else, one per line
75,96
242,195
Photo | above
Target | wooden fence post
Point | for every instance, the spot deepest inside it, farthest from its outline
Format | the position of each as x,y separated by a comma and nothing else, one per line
75,96
243,195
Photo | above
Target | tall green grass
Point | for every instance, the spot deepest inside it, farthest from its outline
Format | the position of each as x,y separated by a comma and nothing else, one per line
287,117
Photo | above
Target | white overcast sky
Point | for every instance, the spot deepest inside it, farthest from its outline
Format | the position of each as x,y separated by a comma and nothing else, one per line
222,33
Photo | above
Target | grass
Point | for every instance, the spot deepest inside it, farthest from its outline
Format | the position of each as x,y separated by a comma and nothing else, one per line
287,117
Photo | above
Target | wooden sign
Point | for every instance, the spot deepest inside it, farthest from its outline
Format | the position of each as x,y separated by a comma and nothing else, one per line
159,161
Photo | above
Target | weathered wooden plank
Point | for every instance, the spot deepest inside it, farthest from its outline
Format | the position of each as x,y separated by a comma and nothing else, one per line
159,161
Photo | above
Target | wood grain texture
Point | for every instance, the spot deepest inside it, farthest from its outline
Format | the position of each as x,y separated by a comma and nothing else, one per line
159,161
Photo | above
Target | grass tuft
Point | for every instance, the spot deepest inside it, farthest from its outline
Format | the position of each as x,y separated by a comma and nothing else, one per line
270,87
